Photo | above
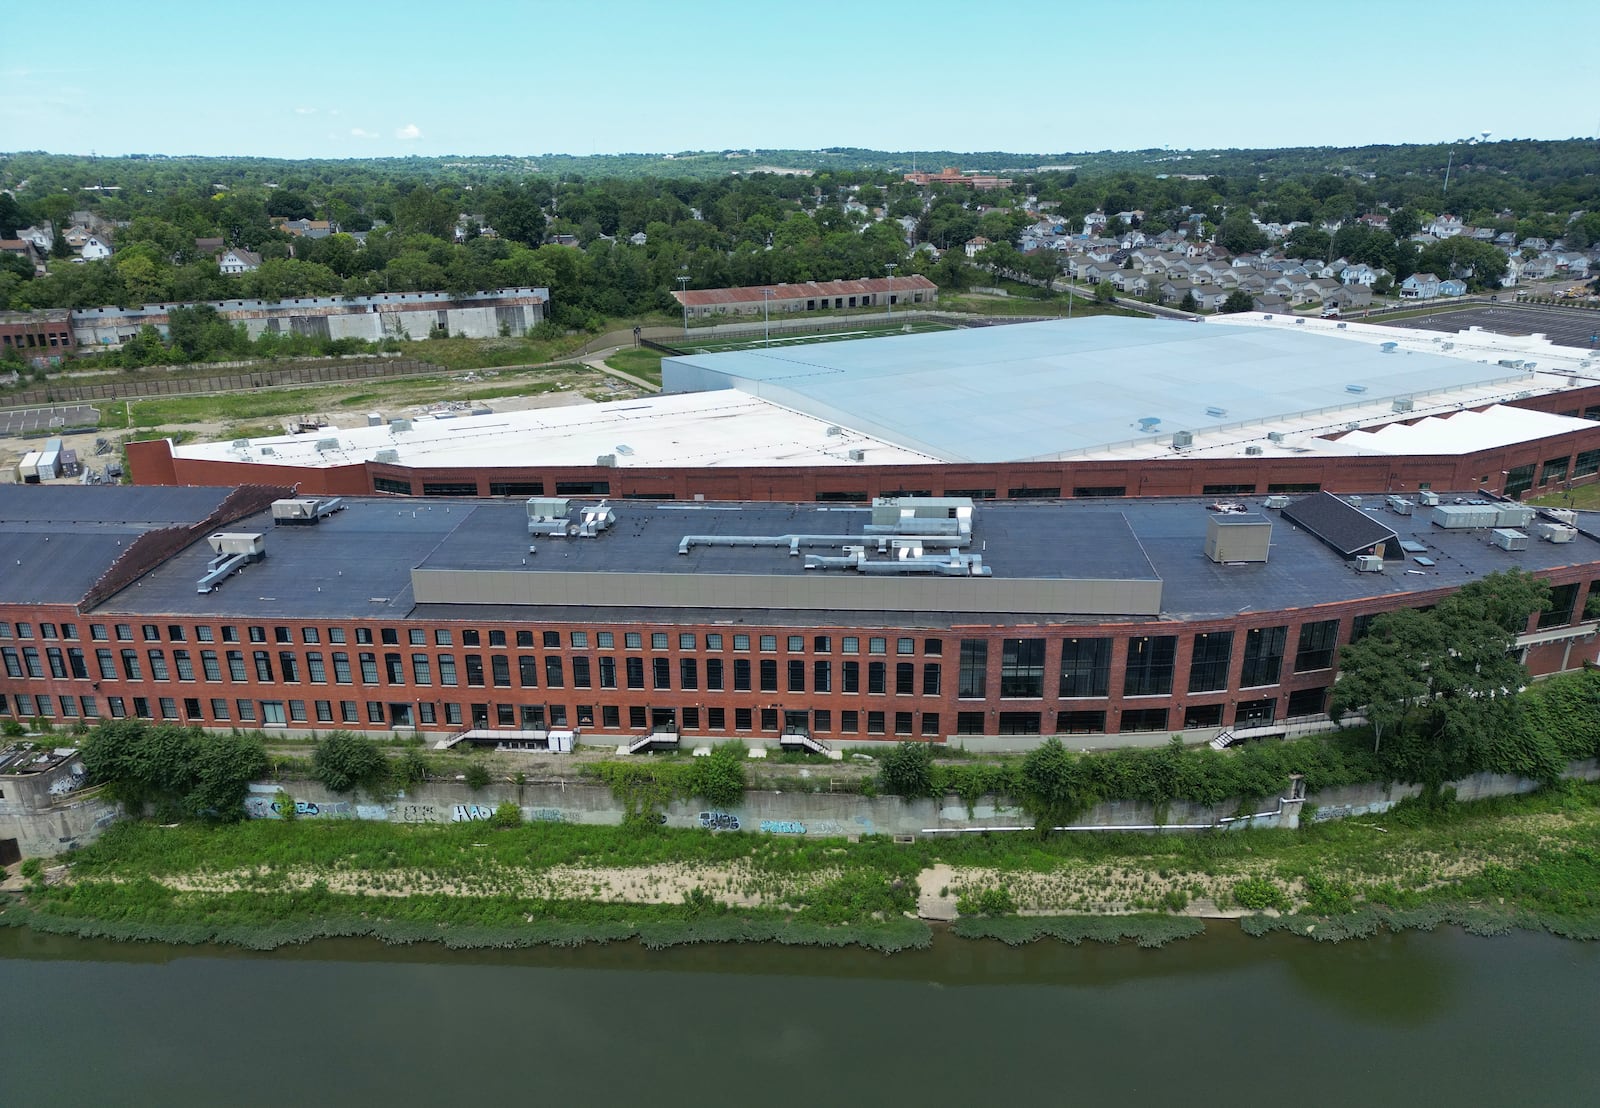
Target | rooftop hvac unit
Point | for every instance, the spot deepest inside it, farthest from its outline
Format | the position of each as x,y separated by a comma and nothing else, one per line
606,460
1404,404
387,457
1554,532
398,425
1278,501
1369,563
835,429
1428,499
1274,436
240,444
265,450
374,419
1562,515
1252,450
1354,500
1507,538
327,444
1342,326
1182,439
858,455
1399,505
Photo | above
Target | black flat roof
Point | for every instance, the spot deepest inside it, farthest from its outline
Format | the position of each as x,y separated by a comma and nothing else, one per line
357,563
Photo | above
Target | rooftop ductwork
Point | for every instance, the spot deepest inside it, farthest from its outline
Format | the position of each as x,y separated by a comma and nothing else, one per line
553,516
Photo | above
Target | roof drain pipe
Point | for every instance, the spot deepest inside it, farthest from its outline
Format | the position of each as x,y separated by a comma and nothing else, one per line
795,542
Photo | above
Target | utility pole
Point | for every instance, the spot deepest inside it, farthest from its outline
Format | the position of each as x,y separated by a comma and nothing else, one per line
888,294
766,323
683,285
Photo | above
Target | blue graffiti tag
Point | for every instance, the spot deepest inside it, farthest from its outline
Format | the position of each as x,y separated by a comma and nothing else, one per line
783,827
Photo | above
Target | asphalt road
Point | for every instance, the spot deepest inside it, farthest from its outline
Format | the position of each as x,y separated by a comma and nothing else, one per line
26,421
1563,326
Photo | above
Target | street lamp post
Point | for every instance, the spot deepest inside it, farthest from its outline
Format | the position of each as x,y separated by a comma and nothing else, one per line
888,293
766,322
683,285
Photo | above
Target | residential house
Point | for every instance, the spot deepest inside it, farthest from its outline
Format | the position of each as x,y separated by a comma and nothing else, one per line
638,238
1271,302
1444,226
238,260
1506,240
1534,243
1419,286
1452,287
209,248
1540,268
1348,298
307,228
1130,282
1172,291
1094,222
1359,274
76,236
95,248
42,236
23,248
975,246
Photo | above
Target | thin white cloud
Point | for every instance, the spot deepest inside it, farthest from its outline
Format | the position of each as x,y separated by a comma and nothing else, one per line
305,111
409,133
357,132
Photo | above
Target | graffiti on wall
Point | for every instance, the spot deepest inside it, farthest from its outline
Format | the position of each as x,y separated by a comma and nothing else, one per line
546,815
470,813
69,782
262,807
717,820
783,827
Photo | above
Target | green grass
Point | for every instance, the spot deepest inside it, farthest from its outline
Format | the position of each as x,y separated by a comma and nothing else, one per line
641,363
254,406
1529,861
1583,498
749,342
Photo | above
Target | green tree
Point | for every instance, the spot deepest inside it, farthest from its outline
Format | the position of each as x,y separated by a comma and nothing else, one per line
1308,242
1054,789
1238,301
1480,264
345,762
1105,294
1238,234
224,766
907,770
1189,303
1403,223
1384,675
477,776
719,778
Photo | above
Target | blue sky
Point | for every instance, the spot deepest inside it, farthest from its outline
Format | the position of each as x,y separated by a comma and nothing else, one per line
328,79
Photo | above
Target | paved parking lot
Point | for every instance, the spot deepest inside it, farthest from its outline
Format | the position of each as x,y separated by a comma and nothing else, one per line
1564,326
25,421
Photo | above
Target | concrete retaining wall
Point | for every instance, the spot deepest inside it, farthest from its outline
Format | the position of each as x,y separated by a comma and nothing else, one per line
78,818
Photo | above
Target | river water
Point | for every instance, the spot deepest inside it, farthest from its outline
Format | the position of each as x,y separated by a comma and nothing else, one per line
1222,1019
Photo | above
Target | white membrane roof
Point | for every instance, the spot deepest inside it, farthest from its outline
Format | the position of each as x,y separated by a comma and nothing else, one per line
712,430
1065,388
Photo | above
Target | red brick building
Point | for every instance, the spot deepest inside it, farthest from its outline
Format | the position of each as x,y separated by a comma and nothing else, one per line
989,625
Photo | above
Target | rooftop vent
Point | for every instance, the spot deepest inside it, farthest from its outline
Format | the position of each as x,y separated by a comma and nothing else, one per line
1404,404
858,455
1216,412
1274,436
1388,347
233,549
1253,450
1355,388
624,449
1182,439
1149,423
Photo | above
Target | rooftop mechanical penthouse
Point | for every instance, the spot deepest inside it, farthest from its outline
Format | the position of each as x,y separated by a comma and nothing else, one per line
555,620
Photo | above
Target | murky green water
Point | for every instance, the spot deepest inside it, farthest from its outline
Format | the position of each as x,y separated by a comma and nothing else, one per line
1409,1019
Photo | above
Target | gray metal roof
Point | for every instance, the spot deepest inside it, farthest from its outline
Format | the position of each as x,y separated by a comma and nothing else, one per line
1054,389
